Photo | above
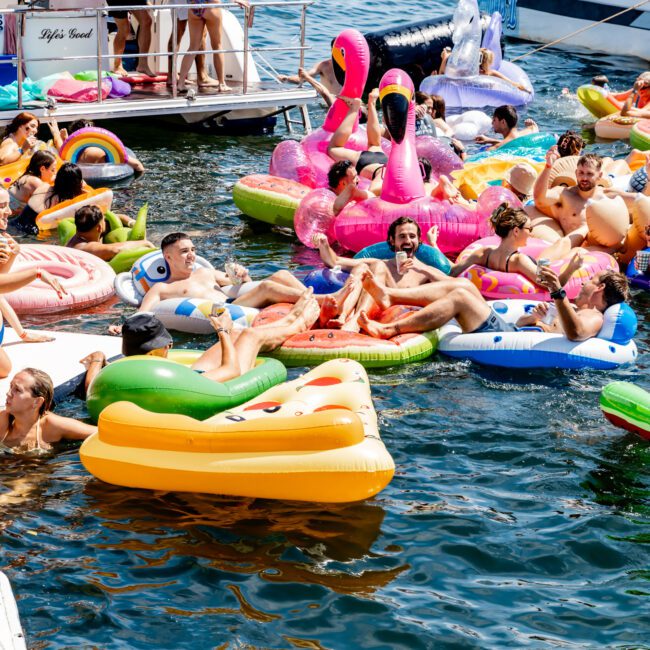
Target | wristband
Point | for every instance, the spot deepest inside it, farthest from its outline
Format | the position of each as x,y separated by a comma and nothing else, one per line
39,275
560,294
23,335
548,166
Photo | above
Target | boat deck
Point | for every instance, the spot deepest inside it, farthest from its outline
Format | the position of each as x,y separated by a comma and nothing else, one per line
157,99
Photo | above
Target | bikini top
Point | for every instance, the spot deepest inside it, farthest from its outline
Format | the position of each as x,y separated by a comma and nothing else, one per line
39,441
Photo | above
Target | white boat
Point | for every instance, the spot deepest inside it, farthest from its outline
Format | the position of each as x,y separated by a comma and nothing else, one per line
546,21
11,633
66,38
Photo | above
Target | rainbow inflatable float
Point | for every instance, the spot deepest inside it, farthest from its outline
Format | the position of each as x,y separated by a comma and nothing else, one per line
312,439
116,167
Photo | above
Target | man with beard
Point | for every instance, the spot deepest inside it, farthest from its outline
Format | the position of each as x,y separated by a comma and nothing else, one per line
404,236
567,204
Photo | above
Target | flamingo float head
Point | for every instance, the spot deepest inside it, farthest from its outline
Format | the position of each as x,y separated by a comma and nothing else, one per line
396,92
351,62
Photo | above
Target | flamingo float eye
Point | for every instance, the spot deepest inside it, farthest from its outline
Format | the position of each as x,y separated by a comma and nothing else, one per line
343,52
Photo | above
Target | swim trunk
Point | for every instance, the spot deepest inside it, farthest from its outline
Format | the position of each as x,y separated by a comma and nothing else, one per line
639,180
181,14
494,323
370,158
124,3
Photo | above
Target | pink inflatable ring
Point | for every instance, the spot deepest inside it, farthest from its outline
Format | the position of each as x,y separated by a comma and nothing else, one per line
499,284
87,279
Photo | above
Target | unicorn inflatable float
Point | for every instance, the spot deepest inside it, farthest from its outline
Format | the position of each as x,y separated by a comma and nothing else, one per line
298,167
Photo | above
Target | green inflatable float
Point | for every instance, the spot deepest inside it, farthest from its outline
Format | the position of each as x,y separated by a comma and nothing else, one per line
171,386
116,233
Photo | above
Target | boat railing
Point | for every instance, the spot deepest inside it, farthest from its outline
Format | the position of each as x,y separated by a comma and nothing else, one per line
19,59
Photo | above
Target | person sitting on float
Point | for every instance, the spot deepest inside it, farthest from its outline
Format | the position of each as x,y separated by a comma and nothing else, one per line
638,103
9,249
570,144
520,180
485,62
444,189
68,184
95,155
638,183
234,353
424,124
367,163
38,177
17,280
474,314
513,227
343,180
91,227
444,131
20,139
504,122
26,422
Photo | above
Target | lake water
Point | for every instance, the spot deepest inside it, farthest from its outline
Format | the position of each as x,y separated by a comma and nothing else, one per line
517,516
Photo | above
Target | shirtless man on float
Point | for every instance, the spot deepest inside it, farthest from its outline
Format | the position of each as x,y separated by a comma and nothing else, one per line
206,283
404,236
504,122
567,205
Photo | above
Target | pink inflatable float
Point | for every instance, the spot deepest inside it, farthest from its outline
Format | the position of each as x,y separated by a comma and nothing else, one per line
366,222
498,284
87,279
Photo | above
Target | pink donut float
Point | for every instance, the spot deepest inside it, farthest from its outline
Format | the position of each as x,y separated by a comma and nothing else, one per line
498,284
87,279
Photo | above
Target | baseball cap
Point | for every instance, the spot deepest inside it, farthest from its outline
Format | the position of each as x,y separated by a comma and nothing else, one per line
142,333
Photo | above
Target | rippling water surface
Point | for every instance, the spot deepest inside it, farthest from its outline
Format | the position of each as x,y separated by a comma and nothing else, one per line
517,516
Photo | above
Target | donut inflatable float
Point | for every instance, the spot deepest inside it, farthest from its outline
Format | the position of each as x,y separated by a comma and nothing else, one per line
499,284
615,127
87,279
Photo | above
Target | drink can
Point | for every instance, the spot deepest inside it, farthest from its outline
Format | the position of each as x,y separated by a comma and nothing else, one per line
541,262
550,314
400,258
231,272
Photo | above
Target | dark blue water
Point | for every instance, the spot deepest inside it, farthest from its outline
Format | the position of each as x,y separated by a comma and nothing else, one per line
517,516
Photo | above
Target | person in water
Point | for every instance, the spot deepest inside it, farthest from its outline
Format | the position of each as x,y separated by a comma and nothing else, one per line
638,103
68,184
38,177
343,180
367,163
19,138
504,123
570,144
475,315
567,205
27,423
234,353
91,228
95,155
520,180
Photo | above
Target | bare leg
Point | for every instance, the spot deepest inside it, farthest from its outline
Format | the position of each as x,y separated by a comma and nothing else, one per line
119,43
5,364
196,35
336,147
144,40
461,304
557,250
373,127
213,20
228,367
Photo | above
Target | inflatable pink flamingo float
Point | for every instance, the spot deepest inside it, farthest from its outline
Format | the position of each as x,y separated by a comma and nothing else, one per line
366,222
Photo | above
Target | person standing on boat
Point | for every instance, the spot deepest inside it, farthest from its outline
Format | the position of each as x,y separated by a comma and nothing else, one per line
124,29
210,18
504,122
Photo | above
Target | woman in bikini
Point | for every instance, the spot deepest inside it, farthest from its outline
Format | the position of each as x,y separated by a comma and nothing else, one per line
38,177
27,424
513,226
369,162
210,18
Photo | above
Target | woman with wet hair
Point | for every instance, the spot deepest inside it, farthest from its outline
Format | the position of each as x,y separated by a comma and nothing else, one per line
26,422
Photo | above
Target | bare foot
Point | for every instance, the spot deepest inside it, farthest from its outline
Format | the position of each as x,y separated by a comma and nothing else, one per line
310,314
329,310
145,70
376,290
120,71
297,309
224,88
373,328
208,82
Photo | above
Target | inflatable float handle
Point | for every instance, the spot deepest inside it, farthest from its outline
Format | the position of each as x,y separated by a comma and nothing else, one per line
139,229
113,220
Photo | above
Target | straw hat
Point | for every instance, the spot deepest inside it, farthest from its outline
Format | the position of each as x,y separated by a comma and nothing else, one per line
522,177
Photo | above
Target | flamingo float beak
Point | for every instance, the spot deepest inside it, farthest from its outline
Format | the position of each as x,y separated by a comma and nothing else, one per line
395,100
338,63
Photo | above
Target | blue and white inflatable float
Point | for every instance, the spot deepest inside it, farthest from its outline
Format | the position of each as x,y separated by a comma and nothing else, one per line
190,315
530,348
